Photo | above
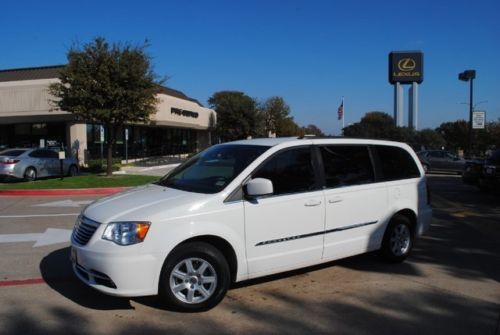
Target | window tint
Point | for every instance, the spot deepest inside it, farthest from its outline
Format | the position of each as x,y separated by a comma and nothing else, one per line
211,170
44,154
346,165
436,154
12,153
52,154
36,154
290,171
396,163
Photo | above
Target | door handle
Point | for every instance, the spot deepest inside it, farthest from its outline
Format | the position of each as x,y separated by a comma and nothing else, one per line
334,200
312,203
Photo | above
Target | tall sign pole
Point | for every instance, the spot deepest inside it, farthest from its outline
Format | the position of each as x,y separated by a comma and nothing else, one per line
406,67
413,106
471,111
469,75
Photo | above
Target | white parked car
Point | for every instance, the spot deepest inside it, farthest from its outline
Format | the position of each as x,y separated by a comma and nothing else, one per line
252,208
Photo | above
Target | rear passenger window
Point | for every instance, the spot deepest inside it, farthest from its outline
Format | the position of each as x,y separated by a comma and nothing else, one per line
290,171
36,154
396,163
346,165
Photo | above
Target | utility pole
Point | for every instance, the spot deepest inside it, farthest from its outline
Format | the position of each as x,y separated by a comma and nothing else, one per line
469,75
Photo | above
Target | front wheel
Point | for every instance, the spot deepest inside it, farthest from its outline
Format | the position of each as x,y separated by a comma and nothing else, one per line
398,239
195,277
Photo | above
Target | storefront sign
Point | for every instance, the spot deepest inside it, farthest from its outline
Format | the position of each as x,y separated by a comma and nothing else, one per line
183,112
406,67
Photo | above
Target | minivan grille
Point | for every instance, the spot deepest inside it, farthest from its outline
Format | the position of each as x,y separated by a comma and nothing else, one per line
84,229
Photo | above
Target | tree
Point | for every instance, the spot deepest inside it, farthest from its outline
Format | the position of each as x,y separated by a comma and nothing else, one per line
430,139
237,115
278,119
455,134
313,130
288,127
107,84
378,125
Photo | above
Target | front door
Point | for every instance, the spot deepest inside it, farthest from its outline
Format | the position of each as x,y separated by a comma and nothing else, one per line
285,230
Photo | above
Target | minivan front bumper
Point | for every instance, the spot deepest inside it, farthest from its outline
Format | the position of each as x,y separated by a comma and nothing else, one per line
118,274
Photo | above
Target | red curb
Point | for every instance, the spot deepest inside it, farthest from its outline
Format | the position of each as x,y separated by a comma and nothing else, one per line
67,191
22,282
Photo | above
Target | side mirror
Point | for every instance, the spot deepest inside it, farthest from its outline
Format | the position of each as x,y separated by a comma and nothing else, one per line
258,187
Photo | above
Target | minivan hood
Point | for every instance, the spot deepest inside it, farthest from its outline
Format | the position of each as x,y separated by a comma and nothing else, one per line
140,203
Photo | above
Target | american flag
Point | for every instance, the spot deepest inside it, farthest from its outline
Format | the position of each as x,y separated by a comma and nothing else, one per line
340,110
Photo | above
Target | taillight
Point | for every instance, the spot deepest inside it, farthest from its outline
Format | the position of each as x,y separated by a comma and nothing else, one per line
10,161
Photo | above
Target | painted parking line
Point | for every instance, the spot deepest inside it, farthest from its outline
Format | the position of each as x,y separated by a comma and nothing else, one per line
32,281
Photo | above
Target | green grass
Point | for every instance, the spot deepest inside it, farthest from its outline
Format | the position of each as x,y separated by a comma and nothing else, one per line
89,181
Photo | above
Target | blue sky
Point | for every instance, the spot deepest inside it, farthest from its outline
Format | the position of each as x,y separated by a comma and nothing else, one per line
309,52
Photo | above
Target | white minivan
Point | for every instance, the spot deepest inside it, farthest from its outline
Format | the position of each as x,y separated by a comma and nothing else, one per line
248,209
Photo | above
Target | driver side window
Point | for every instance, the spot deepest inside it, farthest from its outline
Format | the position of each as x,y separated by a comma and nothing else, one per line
290,171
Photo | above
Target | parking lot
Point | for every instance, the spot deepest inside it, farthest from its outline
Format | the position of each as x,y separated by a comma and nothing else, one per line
449,285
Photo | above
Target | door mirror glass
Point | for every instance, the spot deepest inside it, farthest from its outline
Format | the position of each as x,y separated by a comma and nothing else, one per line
259,187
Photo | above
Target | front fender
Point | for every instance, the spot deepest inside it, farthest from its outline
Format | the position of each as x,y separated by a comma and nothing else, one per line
227,224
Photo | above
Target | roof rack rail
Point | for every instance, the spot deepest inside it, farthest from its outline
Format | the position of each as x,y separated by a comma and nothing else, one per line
307,136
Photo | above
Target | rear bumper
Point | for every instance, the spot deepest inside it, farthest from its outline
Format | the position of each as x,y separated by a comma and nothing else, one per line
424,220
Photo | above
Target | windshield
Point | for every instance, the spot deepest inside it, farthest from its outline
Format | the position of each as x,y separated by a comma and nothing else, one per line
211,170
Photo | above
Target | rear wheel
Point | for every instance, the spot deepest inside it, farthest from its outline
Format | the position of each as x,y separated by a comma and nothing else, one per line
195,277
398,239
30,174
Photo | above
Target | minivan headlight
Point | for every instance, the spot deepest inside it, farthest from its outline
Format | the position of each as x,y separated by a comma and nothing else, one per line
126,233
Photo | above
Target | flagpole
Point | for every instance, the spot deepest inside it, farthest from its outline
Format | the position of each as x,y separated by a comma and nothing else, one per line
343,115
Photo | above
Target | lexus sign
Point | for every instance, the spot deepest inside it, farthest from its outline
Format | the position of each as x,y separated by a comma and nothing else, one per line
406,67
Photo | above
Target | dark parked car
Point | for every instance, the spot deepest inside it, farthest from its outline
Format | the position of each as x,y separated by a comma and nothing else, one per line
441,161
472,171
490,173
30,164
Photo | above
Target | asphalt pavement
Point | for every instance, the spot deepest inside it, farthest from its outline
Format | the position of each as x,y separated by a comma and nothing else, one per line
449,285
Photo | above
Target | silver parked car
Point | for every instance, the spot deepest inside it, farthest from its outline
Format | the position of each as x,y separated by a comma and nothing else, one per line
30,164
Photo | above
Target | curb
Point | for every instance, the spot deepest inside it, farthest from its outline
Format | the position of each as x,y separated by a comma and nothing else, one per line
66,191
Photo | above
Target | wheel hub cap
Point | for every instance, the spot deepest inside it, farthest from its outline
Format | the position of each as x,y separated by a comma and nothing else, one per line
193,280
400,240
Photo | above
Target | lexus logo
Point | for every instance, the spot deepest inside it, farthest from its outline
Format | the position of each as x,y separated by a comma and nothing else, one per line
406,64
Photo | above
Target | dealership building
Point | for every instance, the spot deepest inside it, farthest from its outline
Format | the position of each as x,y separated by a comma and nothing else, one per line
28,119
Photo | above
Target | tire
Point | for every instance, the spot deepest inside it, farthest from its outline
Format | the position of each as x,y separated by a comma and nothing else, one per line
30,174
194,278
398,239
72,171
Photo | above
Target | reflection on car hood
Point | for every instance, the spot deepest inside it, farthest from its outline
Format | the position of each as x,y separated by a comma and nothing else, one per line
141,203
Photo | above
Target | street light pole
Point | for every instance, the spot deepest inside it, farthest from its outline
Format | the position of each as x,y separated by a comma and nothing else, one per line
471,110
469,75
